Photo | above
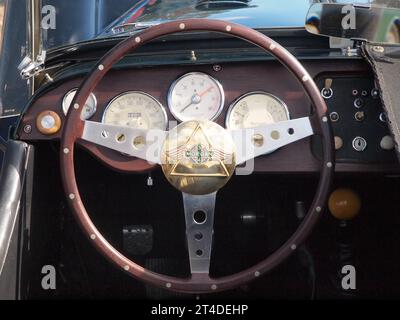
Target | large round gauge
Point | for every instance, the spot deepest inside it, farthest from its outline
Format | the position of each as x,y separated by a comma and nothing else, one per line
255,109
196,96
88,110
137,110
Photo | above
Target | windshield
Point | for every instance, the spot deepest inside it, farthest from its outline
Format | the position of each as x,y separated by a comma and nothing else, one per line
73,21
69,22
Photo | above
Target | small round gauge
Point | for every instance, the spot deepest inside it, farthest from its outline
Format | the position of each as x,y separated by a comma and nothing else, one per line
137,110
196,96
88,110
255,109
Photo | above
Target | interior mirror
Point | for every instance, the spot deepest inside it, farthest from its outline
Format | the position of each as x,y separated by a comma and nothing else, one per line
371,23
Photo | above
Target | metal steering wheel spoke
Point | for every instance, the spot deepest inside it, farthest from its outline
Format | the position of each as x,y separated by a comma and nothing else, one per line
143,144
199,216
254,142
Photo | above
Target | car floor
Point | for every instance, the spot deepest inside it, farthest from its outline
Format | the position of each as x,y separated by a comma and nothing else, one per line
116,200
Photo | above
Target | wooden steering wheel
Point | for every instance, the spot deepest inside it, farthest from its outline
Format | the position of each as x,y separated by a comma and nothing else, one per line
199,188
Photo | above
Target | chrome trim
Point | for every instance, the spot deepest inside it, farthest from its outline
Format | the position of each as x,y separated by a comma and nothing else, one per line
34,37
12,182
65,109
10,116
137,92
172,88
234,103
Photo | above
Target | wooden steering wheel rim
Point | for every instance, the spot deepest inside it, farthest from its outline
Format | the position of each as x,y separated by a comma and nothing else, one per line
73,130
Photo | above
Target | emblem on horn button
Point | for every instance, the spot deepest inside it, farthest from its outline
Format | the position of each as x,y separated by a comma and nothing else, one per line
198,157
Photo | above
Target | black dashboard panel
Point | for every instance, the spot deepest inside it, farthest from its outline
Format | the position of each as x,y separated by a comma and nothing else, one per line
357,118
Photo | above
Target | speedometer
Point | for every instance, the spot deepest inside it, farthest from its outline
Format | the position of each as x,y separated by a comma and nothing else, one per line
196,96
255,109
137,110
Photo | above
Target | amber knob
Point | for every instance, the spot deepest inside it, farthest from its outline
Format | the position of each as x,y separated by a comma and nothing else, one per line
344,204
48,122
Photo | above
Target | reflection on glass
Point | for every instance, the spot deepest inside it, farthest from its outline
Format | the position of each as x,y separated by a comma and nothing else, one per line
375,24
1,22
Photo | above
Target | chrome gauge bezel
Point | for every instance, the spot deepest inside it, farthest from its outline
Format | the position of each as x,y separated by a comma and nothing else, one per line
162,108
174,84
65,108
234,104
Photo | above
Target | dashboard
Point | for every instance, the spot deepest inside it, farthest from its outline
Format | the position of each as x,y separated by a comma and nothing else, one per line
235,95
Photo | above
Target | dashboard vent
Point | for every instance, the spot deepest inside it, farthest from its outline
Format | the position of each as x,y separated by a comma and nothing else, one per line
222,4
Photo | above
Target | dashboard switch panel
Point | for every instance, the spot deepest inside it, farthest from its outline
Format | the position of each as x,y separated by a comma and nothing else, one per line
362,128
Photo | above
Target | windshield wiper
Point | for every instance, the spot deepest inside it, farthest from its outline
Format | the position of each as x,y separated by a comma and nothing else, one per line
222,4
131,27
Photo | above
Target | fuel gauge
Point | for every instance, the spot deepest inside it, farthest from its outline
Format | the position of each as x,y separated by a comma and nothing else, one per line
88,110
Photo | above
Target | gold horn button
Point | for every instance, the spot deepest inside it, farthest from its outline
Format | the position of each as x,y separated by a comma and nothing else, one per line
198,157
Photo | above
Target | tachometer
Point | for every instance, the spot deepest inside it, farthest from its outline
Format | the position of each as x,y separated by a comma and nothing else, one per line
196,96
255,109
136,109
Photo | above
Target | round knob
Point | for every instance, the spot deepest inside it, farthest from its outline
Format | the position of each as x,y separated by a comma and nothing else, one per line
387,143
344,204
48,122
338,143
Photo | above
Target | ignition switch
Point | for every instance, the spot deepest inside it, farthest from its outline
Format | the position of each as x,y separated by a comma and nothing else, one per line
359,144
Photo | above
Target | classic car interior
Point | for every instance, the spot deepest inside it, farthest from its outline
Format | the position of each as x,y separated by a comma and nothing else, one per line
325,173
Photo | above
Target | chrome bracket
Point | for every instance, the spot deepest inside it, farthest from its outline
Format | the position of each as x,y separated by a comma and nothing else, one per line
29,68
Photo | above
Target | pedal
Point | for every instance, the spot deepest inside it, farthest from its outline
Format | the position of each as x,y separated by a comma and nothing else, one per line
138,240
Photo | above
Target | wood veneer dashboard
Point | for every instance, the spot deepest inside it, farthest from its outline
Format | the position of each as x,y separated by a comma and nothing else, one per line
237,79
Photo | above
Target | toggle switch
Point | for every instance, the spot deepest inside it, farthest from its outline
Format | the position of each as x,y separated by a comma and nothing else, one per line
327,91
359,103
360,116
334,116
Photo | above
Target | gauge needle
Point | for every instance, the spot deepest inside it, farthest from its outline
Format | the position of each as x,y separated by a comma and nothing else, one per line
205,91
196,98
